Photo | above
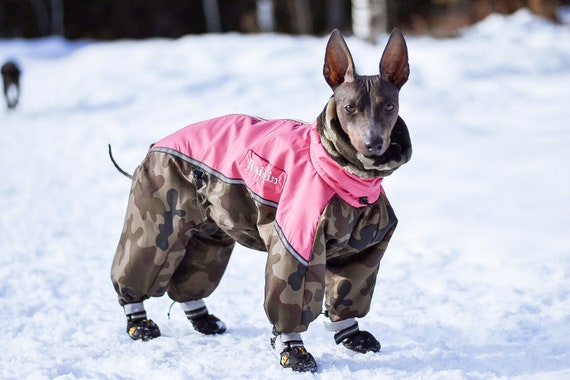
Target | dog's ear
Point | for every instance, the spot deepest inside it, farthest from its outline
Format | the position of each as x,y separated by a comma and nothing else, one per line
394,63
339,67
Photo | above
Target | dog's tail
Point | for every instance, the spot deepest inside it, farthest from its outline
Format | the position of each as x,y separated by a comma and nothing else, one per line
117,165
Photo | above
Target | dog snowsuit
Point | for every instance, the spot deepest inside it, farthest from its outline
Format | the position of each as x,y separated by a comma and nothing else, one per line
270,185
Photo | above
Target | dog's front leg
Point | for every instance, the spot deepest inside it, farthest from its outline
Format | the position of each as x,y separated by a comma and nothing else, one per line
294,296
349,290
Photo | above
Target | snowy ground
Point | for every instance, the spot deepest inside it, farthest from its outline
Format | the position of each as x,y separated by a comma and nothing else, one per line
475,285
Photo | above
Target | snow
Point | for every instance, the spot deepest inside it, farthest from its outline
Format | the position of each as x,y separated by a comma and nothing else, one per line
475,284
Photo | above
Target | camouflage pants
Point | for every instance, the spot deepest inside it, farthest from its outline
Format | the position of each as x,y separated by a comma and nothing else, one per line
172,242
167,244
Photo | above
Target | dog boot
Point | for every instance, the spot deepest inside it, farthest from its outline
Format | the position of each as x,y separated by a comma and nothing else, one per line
202,321
348,333
293,354
138,326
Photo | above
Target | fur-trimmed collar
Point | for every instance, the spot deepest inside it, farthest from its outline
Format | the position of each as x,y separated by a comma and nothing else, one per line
338,145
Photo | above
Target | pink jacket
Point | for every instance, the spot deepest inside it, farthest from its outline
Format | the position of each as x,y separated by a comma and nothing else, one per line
282,163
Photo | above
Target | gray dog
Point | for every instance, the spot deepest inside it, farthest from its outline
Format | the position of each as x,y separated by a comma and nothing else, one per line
310,195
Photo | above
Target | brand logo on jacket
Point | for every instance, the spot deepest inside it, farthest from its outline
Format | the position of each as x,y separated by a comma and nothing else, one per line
262,172
260,176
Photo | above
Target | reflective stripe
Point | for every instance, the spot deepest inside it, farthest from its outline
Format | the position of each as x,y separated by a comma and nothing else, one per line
132,308
192,305
340,325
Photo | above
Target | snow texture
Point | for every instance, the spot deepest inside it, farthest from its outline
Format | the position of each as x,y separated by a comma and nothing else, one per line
475,284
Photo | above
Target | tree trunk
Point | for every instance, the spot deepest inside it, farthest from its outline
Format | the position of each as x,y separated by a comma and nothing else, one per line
369,19
301,17
42,17
212,13
57,25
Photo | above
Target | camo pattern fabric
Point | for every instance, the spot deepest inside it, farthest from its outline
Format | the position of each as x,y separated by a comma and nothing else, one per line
180,229
167,243
342,272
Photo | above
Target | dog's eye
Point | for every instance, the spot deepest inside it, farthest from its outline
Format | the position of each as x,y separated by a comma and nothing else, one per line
350,108
389,107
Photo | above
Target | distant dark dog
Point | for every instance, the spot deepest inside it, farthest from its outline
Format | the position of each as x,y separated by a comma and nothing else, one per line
310,195
11,78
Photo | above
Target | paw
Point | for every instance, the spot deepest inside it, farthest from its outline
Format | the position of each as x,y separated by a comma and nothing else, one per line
143,329
294,356
362,342
208,324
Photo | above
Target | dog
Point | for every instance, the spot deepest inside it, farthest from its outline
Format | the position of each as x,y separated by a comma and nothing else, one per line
11,79
310,195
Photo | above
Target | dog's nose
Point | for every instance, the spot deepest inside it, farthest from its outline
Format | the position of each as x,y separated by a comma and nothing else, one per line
374,148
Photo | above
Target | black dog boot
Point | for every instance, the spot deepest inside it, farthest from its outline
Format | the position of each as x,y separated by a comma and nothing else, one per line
202,321
348,333
138,326
292,353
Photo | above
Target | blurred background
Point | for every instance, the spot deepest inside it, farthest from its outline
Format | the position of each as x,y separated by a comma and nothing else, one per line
117,19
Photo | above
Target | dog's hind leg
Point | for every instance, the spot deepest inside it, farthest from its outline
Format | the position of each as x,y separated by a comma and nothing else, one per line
155,234
198,275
